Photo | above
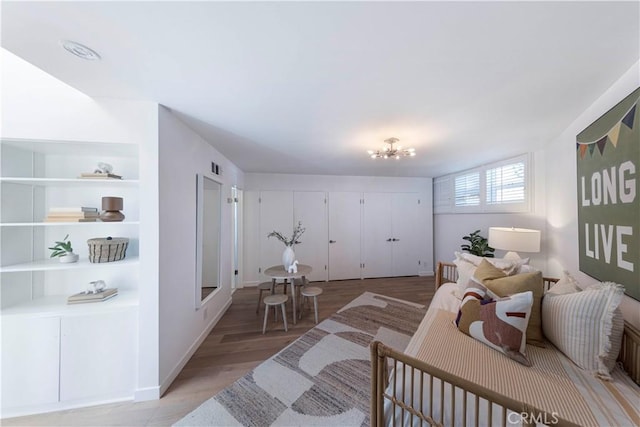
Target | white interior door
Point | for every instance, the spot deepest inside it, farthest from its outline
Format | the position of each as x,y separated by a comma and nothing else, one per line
251,238
236,231
344,235
407,229
377,235
310,208
276,214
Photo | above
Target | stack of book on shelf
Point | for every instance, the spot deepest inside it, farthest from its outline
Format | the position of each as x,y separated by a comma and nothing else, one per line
99,296
73,214
100,175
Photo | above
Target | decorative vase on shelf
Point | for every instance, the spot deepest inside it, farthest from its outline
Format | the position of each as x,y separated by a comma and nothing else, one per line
68,258
111,207
288,256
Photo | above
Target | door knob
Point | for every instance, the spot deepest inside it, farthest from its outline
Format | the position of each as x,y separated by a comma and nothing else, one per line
389,239
395,240
332,241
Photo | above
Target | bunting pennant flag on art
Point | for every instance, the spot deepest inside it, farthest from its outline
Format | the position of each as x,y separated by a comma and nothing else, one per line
608,170
610,137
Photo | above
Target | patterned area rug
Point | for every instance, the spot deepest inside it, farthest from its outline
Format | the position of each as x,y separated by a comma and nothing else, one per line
320,379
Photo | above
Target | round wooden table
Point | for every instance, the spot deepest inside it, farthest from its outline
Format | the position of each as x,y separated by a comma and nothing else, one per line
277,272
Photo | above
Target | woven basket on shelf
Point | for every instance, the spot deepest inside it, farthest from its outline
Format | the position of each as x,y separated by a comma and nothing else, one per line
107,249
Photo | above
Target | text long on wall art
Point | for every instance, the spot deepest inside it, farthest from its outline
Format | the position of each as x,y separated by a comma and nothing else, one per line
608,156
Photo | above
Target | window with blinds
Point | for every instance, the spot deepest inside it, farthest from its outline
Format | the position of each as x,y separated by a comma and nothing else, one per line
441,194
506,184
467,190
497,187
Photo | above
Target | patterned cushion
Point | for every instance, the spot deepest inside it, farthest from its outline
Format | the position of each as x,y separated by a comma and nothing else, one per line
502,286
467,263
500,324
586,326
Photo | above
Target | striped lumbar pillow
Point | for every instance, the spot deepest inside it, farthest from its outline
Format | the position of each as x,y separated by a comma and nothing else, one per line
586,325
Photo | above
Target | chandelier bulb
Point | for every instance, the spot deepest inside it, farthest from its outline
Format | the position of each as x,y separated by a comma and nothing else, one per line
392,152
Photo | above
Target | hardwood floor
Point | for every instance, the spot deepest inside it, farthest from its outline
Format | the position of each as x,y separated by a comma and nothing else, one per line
234,347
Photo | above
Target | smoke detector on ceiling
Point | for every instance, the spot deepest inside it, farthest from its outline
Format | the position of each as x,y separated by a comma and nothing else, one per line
80,50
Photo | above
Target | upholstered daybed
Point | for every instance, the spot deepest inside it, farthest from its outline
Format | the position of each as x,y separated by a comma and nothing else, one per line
448,378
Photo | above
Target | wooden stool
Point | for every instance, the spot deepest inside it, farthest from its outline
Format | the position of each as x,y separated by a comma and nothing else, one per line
274,301
264,286
311,292
297,285
276,284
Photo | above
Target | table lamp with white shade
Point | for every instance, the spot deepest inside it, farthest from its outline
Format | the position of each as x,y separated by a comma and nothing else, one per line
514,240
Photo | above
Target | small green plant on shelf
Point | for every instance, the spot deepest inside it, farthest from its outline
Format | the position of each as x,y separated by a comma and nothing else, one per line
477,245
63,250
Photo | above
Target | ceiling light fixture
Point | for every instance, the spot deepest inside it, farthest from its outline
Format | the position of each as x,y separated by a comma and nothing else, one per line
391,151
80,50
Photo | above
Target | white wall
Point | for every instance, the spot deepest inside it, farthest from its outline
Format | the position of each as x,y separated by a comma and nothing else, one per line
36,105
182,155
450,228
556,210
561,191
337,183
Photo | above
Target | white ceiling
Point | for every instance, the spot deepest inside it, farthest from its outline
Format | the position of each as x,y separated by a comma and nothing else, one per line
308,87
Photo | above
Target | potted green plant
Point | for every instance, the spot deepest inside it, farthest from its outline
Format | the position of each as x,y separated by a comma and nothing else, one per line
63,251
477,245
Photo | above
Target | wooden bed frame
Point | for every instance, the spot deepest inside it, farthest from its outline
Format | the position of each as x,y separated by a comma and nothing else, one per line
383,358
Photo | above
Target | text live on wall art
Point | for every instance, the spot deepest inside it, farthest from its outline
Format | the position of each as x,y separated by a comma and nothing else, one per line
608,158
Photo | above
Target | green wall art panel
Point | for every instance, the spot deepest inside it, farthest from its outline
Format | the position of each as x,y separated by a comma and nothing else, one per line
608,162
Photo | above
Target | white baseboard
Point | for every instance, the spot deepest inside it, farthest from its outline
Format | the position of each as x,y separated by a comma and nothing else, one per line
59,406
426,273
180,365
250,284
147,393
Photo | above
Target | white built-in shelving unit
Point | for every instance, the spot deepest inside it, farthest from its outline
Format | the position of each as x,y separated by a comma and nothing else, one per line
42,334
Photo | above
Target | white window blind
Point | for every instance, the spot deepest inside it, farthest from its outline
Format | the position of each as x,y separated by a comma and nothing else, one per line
506,184
467,190
503,186
442,194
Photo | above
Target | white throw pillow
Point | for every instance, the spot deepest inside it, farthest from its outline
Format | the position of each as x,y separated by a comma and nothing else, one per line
586,325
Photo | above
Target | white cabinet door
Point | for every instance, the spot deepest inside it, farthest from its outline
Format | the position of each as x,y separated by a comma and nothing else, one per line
310,208
407,232
98,355
276,214
377,235
30,361
344,235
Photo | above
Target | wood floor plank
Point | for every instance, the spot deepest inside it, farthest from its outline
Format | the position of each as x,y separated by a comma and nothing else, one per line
234,347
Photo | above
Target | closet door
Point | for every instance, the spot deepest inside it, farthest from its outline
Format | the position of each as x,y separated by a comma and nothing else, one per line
276,213
377,235
344,235
310,208
407,232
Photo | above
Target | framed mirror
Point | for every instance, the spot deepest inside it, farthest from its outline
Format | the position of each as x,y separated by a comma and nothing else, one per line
208,225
